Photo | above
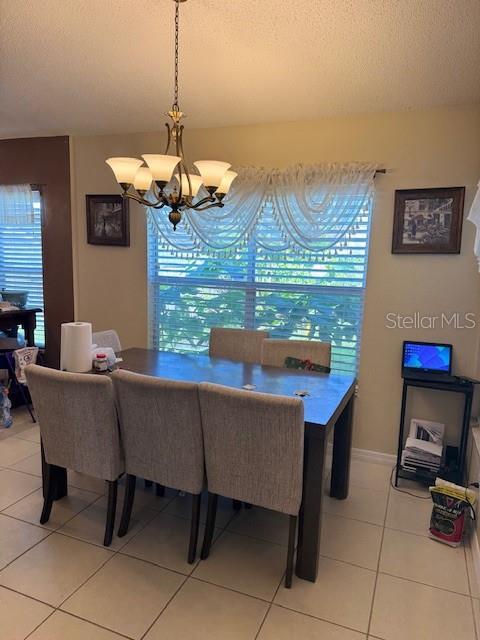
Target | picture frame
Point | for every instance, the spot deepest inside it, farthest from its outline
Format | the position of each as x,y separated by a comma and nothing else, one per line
108,220
428,220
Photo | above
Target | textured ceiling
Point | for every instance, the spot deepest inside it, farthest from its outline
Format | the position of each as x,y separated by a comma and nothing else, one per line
105,66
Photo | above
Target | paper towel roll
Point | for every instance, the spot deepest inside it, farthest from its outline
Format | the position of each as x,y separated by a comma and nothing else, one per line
76,347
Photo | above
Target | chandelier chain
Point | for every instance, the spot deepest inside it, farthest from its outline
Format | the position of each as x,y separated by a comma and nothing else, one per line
177,20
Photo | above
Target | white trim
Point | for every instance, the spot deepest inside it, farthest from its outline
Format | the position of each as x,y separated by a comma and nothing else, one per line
365,455
475,551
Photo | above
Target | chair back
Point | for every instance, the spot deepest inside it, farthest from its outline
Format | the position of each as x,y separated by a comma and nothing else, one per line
241,345
253,446
107,338
274,351
78,420
161,430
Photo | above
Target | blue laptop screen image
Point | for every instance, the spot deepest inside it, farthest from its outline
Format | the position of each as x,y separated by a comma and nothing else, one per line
435,358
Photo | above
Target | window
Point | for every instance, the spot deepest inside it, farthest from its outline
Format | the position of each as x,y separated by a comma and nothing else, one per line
21,262
303,297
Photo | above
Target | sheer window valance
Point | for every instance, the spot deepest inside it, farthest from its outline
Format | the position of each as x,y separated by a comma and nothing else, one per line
304,208
16,204
474,216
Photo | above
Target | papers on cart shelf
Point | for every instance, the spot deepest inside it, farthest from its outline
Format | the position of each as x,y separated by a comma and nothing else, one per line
427,430
424,447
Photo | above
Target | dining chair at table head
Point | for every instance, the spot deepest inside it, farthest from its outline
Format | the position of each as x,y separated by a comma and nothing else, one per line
275,352
253,453
162,438
241,345
79,430
107,338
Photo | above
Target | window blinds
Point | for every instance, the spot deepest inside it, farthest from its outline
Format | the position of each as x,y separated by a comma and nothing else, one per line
21,261
317,296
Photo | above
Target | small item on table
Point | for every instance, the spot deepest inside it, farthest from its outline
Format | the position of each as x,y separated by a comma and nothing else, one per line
8,306
100,362
249,387
302,393
109,353
305,365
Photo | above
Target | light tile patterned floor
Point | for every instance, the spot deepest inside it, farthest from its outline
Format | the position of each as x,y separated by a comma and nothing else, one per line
380,575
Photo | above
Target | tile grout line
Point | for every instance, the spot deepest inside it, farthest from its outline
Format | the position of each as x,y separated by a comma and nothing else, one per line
271,604
310,615
378,567
190,576
472,606
113,554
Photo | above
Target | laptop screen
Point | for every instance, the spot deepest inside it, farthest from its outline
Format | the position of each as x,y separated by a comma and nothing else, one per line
427,356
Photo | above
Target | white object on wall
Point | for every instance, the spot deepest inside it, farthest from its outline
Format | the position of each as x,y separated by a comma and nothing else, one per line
474,216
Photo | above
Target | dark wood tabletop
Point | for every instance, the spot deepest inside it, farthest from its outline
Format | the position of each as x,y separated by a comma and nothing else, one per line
327,391
20,312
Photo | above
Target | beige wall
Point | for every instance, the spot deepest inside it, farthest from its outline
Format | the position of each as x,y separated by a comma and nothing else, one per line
419,149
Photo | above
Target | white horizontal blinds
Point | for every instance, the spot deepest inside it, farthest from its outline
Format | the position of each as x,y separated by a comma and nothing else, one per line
301,295
21,260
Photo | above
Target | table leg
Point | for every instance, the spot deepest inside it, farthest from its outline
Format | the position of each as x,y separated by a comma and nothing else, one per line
342,449
58,477
29,324
310,517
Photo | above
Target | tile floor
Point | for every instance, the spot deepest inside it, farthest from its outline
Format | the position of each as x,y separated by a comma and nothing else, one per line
380,576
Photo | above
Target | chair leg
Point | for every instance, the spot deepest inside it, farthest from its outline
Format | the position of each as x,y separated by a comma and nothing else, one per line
291,551
210,526
127,505
159,490
19,385
237,505
111,510
194,524
48,494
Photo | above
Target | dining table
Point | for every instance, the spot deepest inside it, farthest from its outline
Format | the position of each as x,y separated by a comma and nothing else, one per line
328,407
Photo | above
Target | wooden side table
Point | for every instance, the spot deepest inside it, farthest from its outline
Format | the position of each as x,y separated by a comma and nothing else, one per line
25,318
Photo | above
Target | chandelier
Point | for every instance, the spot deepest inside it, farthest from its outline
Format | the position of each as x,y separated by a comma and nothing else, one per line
156,185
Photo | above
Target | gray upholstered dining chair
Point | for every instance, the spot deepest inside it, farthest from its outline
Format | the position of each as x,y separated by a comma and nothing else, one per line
253,453
162,438
79,430
274,352
107,338
241,345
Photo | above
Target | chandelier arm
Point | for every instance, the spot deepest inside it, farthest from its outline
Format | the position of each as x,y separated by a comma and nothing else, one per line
196,207
169,138
146,203
204,201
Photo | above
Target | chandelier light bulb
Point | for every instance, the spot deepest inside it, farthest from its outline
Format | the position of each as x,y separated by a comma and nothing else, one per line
226,183
161,166
195,184
124,169
212,171
143,180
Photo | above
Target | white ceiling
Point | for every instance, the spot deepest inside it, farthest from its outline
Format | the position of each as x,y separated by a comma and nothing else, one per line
105,66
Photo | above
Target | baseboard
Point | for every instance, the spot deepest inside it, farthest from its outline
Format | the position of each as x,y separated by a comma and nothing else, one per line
475,552
365,455
374,456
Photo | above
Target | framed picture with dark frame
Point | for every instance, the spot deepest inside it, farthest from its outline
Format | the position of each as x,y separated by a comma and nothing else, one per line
108,221
428,220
